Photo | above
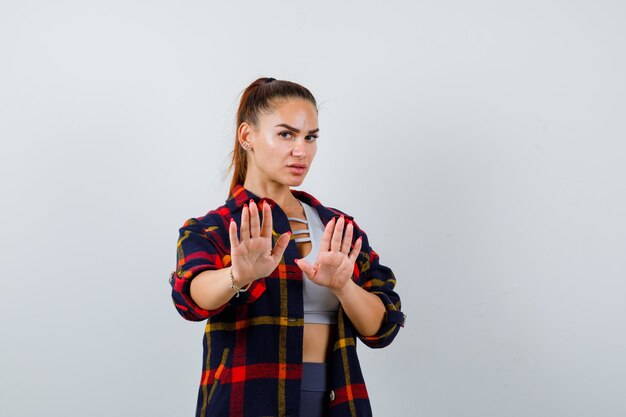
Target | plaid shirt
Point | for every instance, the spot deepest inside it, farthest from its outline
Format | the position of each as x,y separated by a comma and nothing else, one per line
253,344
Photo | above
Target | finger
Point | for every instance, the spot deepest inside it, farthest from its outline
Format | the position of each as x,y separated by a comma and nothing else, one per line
280,246
306,267
232,232
244,229
347,239
335,243
328,232
355,250
267,221
255,222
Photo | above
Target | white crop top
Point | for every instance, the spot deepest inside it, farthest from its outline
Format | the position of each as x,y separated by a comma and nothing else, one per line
320,304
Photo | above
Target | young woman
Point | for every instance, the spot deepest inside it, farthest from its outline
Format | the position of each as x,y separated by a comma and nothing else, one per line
285,283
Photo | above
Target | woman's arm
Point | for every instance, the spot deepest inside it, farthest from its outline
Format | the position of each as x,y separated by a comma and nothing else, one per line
365,289
252,258
334,268
202,283
210,289
365,310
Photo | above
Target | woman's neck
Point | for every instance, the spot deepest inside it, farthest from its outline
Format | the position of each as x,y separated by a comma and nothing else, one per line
279,193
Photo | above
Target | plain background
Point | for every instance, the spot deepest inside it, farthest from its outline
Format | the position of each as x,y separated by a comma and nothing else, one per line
481,145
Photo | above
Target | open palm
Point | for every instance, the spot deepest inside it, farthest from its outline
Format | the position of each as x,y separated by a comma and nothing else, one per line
335,261
251,254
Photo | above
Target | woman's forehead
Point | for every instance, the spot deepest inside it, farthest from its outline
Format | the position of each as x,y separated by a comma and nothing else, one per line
295,112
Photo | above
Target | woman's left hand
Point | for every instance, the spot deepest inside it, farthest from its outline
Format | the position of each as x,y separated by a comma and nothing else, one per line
335,261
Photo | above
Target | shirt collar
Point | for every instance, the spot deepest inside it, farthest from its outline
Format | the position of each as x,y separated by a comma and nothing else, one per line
241,196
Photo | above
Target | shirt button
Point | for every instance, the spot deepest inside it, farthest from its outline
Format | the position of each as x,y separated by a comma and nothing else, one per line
332,395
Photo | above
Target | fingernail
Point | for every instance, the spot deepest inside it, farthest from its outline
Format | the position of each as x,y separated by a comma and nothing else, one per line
289,231
296,259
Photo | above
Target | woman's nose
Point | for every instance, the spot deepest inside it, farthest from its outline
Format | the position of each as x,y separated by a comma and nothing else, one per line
298,149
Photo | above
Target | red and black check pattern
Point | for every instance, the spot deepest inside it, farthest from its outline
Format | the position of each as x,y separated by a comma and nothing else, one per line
253,344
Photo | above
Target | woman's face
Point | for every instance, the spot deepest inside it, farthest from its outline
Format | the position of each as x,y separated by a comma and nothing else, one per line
284,143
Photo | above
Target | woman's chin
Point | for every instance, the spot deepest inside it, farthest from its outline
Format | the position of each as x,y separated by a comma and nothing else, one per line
297,181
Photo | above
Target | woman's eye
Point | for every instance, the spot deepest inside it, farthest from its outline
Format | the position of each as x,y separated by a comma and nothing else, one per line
287,135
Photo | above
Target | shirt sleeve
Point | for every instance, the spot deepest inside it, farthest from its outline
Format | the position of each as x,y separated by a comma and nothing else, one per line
378,279
200,248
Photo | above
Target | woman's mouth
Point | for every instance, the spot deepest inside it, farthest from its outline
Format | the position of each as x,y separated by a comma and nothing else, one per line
297,169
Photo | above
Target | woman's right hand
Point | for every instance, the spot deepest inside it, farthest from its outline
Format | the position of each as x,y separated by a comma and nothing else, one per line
251,255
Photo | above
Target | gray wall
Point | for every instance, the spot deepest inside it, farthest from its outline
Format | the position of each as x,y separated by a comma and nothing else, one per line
482,144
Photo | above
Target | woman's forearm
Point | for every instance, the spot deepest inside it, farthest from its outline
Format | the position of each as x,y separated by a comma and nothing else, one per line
365,310
210,289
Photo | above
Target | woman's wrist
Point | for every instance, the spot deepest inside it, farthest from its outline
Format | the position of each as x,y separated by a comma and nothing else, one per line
236,282
344,291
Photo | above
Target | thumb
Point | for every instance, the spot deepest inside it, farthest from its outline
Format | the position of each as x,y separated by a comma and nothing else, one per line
281,245
306,267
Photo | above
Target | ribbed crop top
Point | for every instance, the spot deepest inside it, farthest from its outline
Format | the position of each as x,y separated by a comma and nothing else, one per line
320,304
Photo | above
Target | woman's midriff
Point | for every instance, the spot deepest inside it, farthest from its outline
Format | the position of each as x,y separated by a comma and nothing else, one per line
317,342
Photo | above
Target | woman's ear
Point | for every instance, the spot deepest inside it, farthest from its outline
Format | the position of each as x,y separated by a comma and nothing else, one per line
244,136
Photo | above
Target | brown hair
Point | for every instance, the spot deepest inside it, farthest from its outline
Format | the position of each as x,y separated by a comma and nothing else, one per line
260,97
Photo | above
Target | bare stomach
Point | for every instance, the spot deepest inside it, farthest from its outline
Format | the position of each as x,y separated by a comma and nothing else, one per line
317,342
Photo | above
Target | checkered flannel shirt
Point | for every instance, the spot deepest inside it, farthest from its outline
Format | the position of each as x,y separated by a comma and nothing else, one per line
253,344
